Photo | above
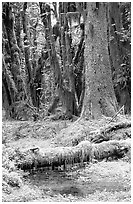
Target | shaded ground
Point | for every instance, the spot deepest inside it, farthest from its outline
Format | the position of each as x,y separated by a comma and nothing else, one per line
101,181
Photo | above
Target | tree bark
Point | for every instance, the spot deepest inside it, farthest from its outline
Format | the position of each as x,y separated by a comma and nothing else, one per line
34,74
12,80
99,95
26,44
14,51
66,96
118,50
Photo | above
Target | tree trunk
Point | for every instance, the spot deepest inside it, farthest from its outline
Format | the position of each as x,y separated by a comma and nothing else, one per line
99,95
14,51
66,96
34,74
26,44
118,50
18,24
12,79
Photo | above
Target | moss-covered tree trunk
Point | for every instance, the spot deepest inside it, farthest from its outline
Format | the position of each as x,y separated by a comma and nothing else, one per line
33,67
13,86
67,96
118,51
99,95
28,63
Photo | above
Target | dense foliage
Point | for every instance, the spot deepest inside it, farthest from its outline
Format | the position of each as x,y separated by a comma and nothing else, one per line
124,76
43,57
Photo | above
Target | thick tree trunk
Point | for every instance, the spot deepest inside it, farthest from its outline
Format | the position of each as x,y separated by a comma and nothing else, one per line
99,95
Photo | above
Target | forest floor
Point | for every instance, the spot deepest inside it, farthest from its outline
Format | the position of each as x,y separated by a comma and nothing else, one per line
97,181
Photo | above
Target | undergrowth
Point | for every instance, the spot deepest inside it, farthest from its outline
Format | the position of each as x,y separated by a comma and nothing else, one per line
97,181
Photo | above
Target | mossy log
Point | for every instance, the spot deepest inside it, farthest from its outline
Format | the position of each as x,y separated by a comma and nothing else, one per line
83,152
113,149
54,157
103,134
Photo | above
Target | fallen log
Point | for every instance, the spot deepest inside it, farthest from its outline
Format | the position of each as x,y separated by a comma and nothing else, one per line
55,157
113,149
84,152
102,134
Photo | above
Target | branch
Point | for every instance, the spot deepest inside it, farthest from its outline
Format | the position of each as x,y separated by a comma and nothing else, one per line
116,114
